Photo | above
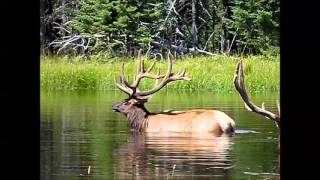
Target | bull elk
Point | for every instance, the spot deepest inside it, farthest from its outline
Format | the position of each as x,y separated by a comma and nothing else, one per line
141,120
240,87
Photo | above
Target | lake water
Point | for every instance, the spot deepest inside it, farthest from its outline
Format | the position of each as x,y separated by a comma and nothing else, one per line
80,132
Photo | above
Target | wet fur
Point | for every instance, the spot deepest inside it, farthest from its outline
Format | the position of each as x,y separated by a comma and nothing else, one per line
138,119
195,120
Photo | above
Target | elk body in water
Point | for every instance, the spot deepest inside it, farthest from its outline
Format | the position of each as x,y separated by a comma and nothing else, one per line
140,119
240,87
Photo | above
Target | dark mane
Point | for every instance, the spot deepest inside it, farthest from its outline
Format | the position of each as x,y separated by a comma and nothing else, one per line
138,119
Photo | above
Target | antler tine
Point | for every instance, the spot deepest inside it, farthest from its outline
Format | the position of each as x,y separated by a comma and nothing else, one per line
157,80
169,71
264,108
240,87
141,73
278,106
238,82
162,83
181,74
140,64
161,80
151,67
123,77
123,84
166,79
124,88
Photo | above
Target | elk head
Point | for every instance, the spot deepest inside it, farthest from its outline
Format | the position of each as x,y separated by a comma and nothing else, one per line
240,87
134,104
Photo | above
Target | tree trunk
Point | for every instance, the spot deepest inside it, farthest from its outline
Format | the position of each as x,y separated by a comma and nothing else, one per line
46,34
223,42
42,24
213,23
194,30
223,35
206,28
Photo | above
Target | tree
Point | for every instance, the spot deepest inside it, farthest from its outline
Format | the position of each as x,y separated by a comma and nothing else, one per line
257,24
183,26
120,25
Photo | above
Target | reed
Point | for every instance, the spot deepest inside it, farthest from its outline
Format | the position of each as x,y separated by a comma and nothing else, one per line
207,73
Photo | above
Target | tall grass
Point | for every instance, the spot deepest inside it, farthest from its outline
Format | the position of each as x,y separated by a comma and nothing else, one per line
207,73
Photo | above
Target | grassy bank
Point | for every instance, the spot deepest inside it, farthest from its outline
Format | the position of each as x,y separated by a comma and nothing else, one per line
207,73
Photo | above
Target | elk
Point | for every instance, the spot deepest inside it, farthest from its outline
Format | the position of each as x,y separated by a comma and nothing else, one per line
141,120
238,81
240,87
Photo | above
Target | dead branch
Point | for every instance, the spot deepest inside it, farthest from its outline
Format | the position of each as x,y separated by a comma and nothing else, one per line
183,49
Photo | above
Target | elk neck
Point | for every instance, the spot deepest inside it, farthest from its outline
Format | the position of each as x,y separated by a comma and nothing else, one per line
138,118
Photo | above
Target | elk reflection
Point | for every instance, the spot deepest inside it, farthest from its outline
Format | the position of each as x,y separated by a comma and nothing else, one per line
156,155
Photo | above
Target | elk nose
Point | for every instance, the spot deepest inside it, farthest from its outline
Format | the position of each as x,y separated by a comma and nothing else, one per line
115,107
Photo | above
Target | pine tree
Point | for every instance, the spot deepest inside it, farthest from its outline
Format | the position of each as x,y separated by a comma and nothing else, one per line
256,23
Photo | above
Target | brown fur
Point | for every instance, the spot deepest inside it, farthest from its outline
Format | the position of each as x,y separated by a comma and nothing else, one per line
138,119
194,121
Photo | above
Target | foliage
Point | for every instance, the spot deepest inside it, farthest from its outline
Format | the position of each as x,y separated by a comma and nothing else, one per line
120,24
120,27
207,73
256,24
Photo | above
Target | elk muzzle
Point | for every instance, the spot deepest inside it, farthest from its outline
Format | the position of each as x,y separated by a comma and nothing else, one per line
116,107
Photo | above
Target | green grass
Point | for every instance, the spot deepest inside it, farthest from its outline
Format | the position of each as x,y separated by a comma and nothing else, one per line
207,73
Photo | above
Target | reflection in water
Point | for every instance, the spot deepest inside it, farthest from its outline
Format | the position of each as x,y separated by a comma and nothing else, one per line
78,129
174,155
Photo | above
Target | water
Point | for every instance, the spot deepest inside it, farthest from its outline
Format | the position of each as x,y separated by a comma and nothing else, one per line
79,129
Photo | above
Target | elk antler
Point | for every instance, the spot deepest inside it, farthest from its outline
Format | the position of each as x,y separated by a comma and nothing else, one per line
134,92
240,87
